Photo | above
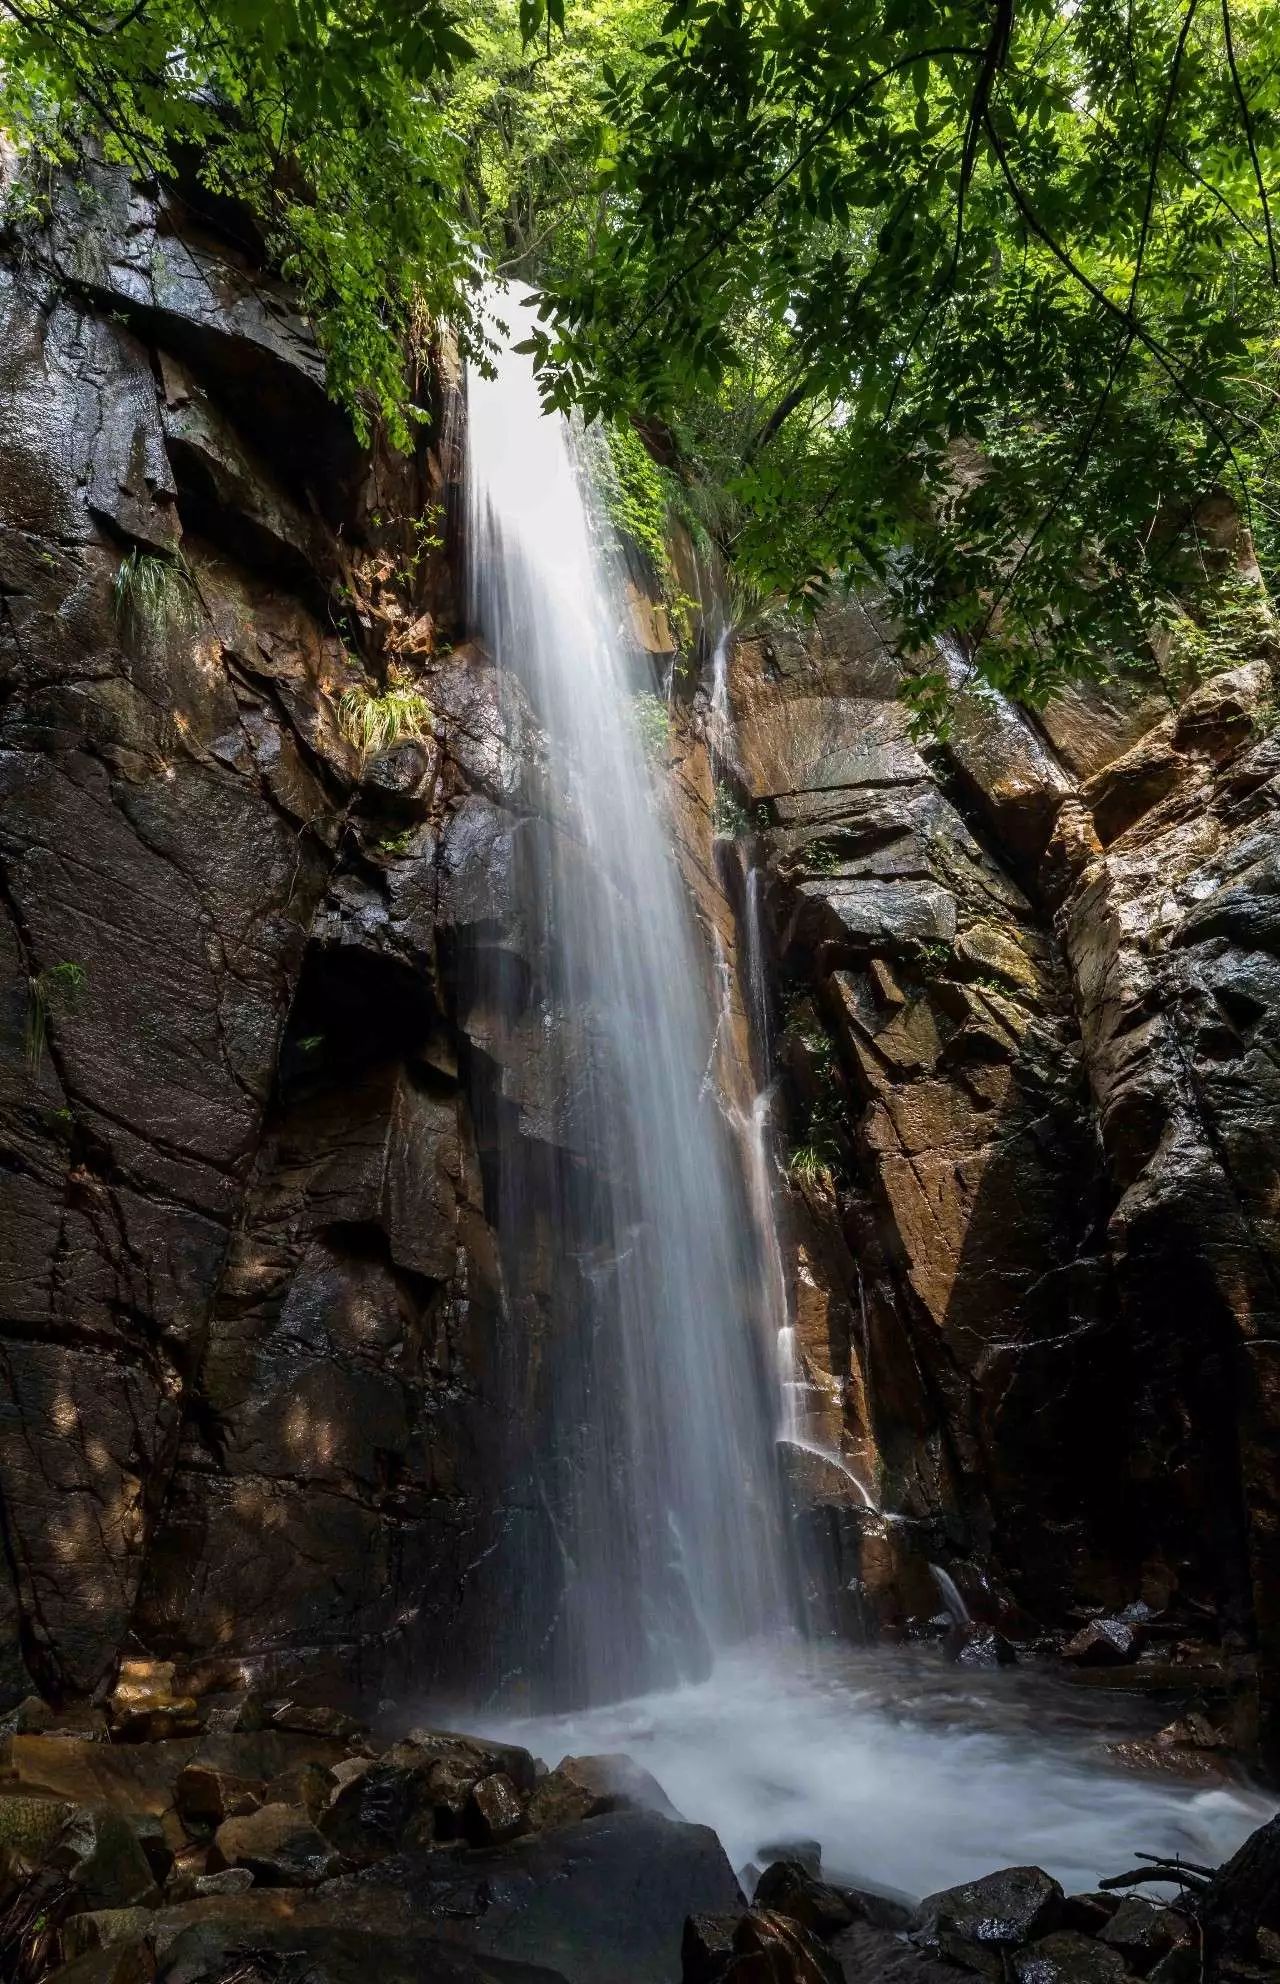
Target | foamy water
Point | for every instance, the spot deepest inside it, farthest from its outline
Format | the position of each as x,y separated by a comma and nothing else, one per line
911,1773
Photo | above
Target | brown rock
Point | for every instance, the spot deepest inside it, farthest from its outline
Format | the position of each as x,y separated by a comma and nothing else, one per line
101,1927
278,1844
1104,1643
615,1781
206,1795
494,1812
775,1949
557,1800
788,1888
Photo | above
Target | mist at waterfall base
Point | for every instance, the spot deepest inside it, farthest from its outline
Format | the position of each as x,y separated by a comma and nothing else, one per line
911,1773
648,1599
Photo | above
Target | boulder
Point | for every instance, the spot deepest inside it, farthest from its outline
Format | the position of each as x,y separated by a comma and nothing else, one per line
206,1795
29,1823
306,1719
776,1949
788,1888
1089,1913
278,1844
100,1927
706,1948
602,1902
1067,1957
424,1747
1104,1643
228,1880
1143,1931
379,1810
807,1851
494,1811
1002,1911
99,1853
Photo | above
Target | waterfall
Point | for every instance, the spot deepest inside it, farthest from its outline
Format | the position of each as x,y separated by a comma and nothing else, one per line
653,1459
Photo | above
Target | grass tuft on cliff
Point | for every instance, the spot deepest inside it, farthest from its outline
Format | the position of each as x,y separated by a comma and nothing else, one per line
374,722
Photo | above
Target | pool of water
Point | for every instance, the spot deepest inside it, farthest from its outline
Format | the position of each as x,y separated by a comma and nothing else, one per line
912,1773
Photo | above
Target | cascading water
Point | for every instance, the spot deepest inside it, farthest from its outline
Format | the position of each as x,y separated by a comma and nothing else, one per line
658,1475
654,1545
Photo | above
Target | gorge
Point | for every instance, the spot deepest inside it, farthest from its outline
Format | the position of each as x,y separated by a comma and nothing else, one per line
569,1175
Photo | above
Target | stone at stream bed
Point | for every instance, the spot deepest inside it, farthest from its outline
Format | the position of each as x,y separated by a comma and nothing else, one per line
99,1853
228,1880
206,1795
776,1949
1143,1931
1068,1958
494,1811
379,1810
706,1948
788,1888
603,1902
278,1844
1089,1913
999,1912
1104,1643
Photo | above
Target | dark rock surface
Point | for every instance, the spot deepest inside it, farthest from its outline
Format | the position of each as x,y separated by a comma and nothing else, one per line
250,1408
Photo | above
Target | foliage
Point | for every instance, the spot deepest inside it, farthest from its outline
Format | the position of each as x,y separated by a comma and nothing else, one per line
373,722
323,119
730,819
971,305
56,989
1225,623
812,1164
632,491
966,304
532,127
150,595
651,721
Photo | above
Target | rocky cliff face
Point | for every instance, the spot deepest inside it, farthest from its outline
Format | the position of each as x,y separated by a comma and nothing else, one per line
1029,1028
267,1389
248,1406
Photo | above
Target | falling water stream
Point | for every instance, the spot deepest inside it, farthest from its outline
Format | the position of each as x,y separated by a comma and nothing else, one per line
663,1487
671,1627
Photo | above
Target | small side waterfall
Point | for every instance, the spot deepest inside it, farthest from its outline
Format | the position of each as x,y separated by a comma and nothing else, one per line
654,1457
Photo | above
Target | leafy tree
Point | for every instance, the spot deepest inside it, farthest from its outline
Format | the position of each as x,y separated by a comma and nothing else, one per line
324,117
972,301
530,115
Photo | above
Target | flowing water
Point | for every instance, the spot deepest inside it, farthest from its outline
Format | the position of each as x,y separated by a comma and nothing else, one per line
911,1773
666,1369
660,1474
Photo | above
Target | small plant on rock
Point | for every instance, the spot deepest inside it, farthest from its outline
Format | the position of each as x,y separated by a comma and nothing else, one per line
151,595
730,819
56,989
652,721
809,1164
374,722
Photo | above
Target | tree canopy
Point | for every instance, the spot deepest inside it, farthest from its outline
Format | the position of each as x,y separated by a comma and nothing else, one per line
970,301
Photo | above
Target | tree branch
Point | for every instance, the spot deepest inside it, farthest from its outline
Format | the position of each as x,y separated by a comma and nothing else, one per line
1249,137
